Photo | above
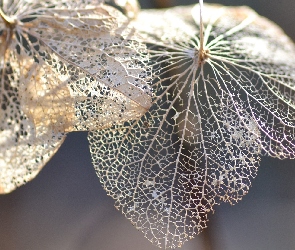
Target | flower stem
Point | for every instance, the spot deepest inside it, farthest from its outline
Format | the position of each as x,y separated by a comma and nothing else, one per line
201,26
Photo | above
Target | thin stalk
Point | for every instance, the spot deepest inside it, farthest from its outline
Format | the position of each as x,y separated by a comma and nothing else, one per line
201,27
203,55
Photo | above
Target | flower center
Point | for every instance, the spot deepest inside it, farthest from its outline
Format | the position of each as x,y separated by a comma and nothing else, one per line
203,55
10,22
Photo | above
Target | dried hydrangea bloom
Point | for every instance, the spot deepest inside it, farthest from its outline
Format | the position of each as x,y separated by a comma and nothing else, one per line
65,66
222,97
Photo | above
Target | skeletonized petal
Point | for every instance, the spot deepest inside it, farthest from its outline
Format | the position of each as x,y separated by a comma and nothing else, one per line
65,66
26,144
212,116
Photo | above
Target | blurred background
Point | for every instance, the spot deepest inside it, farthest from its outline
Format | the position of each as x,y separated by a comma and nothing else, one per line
65,208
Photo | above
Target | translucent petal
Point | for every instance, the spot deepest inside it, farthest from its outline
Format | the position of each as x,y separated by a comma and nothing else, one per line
26,144
65,66
214,112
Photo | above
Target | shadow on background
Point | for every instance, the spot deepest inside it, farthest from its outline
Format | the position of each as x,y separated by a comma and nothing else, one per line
65,207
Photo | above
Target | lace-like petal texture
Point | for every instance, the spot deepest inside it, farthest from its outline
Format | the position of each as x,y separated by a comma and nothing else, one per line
214,112
65,66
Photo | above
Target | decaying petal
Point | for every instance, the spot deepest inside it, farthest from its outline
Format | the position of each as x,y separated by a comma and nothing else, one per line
214,112
65,66
26,144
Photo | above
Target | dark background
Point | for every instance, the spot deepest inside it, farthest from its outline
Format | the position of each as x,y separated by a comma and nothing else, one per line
65,208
